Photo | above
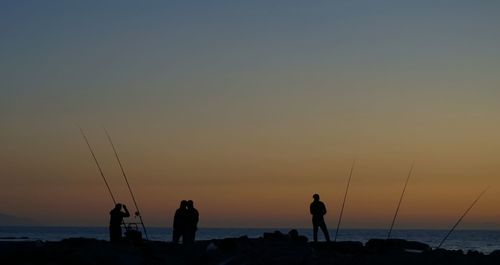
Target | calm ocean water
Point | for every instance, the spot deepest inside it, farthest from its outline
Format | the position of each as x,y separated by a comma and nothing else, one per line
481,240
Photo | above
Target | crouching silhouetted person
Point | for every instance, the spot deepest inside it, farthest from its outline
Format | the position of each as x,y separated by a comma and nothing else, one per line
318,210
115,222
192,217
180,218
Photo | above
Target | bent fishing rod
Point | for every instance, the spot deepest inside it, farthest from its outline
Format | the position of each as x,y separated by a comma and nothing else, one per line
138,213
462,217
343,203
400,200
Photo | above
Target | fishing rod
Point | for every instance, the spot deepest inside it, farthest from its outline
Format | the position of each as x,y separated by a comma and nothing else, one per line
98,165
400,200
102,173
138,213
462,217
343,203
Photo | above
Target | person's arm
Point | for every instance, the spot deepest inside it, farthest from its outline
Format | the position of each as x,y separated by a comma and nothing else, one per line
126,213
196,219
177,219
311,209
324,208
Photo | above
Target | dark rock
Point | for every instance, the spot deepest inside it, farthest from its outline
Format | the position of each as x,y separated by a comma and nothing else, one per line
277,249
474,253
232,244
495,253
396,245
345,247
276,235
415,245
75,241
295,237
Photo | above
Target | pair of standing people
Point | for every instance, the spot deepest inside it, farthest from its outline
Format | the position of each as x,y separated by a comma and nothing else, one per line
185,223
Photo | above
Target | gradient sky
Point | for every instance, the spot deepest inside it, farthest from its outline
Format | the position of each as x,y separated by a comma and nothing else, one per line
250,107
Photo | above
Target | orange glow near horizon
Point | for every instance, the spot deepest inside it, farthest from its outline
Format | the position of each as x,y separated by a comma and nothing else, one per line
246,190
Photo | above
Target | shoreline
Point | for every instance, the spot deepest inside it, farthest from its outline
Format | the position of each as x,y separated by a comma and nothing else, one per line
271,248
480,240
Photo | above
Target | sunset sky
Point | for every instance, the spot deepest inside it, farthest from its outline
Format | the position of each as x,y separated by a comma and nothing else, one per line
250,107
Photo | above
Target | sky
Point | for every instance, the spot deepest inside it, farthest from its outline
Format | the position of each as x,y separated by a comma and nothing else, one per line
249,108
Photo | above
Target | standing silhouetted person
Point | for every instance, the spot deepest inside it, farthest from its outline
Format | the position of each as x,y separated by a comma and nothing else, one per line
115,222
318,210
192,217
180,223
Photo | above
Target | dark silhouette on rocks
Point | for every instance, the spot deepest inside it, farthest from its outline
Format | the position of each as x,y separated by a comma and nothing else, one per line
318,210
191,224
179,229
115,222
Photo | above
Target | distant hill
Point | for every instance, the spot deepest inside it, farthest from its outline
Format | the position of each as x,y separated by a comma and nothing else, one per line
10,220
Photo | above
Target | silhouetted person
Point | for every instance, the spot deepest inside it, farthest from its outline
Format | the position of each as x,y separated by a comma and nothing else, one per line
180,223
115,222
192,217
318,210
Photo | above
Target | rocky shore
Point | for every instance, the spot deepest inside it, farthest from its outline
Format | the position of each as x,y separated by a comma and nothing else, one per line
272,248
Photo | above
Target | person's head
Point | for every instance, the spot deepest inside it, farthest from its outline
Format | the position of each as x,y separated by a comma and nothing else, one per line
183,204
316,197
118,206
190,204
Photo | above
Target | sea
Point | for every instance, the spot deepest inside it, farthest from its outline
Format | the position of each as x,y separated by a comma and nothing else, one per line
484,241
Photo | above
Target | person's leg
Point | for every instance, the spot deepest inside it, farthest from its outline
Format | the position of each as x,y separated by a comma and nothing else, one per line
111,235
115,234
315,232
119,234
325,231
176,236
186,237
190,236
193,236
